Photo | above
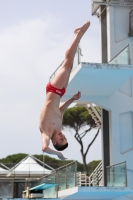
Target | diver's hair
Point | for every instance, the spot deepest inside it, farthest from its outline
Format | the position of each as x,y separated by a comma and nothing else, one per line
60,147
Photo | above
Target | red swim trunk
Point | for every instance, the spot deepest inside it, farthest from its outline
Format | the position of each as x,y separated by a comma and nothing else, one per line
51,88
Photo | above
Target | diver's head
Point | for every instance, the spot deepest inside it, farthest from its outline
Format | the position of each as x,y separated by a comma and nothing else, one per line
59,141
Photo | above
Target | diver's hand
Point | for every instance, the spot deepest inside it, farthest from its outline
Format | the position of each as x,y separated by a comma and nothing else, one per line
76,96
60,156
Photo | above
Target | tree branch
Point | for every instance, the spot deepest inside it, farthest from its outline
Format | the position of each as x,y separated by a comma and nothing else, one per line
92,142
85,132
77,137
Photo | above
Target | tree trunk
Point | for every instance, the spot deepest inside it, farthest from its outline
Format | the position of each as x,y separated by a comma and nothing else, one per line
85,165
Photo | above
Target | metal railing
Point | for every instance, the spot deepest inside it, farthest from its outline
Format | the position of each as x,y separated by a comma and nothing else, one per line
95,113
75,63
97,3
123,57
95,179
117,175
83,179
65,177
113,2
123,2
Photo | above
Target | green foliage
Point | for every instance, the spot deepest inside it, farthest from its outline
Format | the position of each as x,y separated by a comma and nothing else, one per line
12,160
53,162
92,165
56,163
80,167
77,117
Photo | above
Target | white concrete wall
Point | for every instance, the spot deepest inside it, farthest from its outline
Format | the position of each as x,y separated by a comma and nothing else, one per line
121,122
121,103
117,31
120,106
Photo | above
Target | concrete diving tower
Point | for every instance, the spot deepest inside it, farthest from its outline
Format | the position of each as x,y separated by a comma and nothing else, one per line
111,87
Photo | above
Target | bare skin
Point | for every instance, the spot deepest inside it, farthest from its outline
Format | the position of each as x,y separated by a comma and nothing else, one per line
52,113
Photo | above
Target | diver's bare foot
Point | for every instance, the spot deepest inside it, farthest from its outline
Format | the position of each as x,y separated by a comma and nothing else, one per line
83,28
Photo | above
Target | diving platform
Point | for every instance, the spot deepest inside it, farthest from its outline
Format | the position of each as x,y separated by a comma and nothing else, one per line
97,80
95,193
41,187
91,193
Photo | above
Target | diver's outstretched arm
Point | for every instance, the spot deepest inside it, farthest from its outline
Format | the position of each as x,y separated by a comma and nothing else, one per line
53,152
64,106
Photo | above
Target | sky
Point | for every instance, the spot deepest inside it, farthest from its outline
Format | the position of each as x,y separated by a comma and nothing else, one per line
34,35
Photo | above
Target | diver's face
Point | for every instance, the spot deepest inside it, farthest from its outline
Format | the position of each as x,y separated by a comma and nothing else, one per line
60,138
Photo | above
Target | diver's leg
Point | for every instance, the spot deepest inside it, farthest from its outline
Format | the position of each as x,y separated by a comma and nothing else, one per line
62,75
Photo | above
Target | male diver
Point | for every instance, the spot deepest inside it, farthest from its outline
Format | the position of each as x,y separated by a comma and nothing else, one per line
52,113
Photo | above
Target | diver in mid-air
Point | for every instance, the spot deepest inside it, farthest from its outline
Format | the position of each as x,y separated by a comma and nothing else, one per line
52,113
